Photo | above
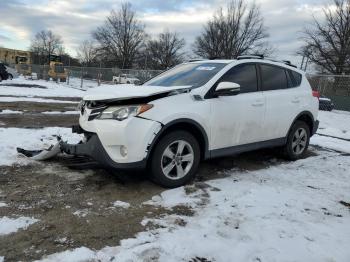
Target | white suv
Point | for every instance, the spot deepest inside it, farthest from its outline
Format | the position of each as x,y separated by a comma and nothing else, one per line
196,111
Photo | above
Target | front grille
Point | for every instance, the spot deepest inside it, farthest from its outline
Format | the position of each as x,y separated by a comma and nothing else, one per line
95,112
96,108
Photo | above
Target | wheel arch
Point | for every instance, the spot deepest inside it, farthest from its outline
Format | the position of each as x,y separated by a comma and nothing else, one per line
189,125
307,117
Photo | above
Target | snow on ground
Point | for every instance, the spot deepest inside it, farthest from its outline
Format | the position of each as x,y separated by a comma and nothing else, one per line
331,143
32,139
34,99
61,113
11,225
121,204
80,254
335,123
75,82
2,204
288,212
53,89
6,111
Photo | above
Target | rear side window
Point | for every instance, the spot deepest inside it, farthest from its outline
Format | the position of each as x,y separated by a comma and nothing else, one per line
296,78
273,78
244,75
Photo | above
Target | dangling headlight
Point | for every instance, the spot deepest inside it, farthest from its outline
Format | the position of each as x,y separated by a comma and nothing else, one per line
123,112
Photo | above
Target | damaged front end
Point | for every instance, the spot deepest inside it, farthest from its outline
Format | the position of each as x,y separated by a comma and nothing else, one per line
53,150
115,135
90,147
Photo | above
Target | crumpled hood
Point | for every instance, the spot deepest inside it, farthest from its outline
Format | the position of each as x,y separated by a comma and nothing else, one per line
126,91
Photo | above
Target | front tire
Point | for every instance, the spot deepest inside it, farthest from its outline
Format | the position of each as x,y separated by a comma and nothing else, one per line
175,159
10,76
298,141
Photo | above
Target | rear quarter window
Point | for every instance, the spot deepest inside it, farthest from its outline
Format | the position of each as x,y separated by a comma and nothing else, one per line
296,78
273,77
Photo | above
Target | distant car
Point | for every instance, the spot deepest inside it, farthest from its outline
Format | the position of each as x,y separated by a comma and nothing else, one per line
326,104
11,72
3,73
126,79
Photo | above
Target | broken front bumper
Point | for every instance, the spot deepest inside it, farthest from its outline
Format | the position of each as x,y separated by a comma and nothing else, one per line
93,148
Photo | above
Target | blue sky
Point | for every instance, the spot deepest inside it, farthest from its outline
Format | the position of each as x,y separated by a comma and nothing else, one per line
74,20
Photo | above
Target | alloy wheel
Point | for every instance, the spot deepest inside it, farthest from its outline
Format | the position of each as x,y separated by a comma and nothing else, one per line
299,141
177,159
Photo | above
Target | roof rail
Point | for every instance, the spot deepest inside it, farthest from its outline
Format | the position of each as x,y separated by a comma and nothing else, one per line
250,57
286,62
195,60
289,63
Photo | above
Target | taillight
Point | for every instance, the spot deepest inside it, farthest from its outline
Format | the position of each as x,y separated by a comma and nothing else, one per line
316,94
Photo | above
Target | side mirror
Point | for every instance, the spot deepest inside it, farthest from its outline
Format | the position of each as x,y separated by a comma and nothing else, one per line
227,89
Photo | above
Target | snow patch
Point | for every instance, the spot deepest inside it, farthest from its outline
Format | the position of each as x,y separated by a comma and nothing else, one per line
60,113
34,99
121,204
335,123
11,225
32,139
171,198
6,111
331,143
81,213
81,254
52,89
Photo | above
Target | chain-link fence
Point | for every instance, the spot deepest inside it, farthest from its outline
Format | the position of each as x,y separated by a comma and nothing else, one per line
85,77
334,91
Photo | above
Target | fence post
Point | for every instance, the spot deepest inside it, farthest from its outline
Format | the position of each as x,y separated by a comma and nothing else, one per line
99,76
81,80
68,75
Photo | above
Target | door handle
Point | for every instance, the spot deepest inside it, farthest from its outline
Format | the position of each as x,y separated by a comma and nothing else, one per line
258,103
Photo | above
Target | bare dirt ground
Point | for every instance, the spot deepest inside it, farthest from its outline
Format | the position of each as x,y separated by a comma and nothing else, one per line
75,207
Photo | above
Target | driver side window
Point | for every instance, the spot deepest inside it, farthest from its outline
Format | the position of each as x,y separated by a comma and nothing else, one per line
245,75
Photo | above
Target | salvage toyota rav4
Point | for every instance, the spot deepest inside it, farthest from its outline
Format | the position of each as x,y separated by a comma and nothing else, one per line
196,111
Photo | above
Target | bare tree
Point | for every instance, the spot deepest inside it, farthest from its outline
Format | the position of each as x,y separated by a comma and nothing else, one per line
239,30
121,36
164,52
45,44
87,52
327,43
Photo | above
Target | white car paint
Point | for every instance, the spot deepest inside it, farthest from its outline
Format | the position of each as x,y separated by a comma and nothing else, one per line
126,91
227,120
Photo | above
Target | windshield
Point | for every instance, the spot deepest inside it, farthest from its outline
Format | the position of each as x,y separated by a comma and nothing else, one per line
192,74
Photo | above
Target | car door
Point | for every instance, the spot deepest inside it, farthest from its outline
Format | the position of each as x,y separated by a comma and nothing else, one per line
237,119
282,101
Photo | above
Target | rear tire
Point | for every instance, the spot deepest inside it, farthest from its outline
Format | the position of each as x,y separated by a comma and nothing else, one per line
175,159
297,141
